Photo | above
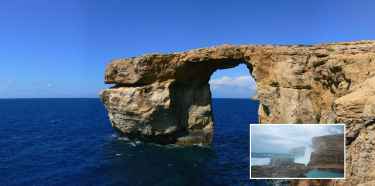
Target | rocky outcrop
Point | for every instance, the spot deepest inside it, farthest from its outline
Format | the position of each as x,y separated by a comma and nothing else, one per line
280,166
166,97
280,161
297,151
293,170
328,153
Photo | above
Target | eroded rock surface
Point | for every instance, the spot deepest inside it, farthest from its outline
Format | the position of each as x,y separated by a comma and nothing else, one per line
328,153
280,166
166,97
292,170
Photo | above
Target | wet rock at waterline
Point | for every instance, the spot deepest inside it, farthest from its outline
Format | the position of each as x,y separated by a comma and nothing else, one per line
165,98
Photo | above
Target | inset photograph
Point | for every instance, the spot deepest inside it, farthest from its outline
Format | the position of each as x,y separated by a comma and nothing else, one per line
297,151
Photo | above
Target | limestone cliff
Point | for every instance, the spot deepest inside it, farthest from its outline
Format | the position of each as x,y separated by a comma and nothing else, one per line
328,152
166,97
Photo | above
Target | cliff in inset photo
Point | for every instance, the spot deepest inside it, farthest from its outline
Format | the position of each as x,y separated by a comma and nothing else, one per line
328,153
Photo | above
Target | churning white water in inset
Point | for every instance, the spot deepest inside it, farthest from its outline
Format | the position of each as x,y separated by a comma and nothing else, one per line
260,161
305,158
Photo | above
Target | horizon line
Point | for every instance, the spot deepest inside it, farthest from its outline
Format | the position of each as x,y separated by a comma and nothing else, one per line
99,98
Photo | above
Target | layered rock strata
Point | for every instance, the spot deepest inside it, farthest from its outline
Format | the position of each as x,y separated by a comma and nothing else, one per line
165,98
328,153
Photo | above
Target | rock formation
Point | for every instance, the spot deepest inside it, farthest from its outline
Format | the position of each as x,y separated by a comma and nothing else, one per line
281,166
328,153
166,98
280,161
297,151
292,170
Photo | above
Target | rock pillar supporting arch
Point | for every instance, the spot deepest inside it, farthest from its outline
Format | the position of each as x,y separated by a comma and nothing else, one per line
165,98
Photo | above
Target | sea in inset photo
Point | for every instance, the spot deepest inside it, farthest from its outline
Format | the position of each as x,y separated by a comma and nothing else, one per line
300,151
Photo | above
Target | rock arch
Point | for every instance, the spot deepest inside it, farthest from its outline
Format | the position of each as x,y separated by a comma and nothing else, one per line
165,98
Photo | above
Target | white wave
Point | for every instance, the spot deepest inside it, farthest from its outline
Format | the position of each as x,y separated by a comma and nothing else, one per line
260,161
123,139
306,158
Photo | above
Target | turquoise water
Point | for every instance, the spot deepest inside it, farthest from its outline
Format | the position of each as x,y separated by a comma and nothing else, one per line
323,174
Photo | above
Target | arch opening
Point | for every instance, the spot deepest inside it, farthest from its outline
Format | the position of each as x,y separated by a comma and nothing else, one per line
232,111
233,103
236,82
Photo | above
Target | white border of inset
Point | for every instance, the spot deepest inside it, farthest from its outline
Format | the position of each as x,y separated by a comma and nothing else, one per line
291,178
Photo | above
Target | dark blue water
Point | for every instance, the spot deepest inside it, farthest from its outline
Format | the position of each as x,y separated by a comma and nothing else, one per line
70,142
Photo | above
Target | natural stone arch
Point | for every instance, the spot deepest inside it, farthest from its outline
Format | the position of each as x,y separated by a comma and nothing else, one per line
165,98
171,96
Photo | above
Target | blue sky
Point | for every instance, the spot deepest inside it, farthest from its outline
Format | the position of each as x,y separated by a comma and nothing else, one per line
60,48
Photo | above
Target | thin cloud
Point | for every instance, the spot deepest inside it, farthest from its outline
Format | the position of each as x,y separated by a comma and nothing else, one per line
243,82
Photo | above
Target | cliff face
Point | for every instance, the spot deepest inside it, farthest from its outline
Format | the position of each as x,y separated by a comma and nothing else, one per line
328,152
166,97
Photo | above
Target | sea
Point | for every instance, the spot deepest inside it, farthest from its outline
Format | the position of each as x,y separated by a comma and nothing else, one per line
53,142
